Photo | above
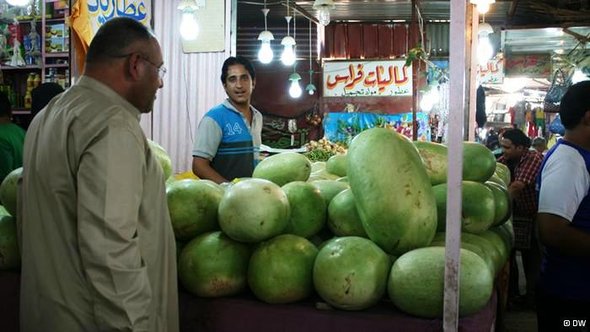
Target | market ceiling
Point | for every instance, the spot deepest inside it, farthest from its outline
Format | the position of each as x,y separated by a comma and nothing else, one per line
506,14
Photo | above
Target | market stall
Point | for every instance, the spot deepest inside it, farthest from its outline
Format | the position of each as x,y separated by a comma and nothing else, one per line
224,314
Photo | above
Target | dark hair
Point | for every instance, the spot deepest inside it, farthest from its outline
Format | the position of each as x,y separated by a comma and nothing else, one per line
5,107
574,104
238,60
517,137
42,95
114,37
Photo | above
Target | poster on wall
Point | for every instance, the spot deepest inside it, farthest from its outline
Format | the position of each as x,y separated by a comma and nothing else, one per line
342,127
100,11
367,79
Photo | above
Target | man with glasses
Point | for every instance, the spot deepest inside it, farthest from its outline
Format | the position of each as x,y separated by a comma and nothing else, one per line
229,135
98,251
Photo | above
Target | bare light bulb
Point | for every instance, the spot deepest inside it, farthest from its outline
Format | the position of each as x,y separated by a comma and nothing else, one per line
288,55
324,15
483,7
189,28
485,51
295,89
265,54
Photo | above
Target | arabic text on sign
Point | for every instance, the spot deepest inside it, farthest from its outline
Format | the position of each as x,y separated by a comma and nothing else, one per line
378,78
107,9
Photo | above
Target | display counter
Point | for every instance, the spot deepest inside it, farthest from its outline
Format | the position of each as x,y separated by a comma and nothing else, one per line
245,313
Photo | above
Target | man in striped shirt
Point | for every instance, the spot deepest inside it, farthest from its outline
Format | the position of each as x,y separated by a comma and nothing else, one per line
229,135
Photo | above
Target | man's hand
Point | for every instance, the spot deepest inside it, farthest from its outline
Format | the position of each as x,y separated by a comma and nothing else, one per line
202,168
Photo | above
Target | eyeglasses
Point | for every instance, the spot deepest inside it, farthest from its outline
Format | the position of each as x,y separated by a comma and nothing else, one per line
161,69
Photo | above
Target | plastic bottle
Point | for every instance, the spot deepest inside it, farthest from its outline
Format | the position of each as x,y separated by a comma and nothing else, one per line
28,99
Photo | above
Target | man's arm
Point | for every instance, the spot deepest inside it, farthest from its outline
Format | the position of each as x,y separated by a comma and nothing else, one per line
558,233
515,188
202,168
110,189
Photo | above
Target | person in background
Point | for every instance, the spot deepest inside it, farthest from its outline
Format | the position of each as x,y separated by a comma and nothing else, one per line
540,144
229,135
42,95
98,250
524,165
12,138
563,295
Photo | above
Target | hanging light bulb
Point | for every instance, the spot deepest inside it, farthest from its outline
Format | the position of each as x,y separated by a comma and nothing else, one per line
18,3
189,28
310,88
323,7
295,89
288,56
483,6
265,54
485,51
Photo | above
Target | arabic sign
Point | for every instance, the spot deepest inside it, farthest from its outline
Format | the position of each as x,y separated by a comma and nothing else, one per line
492,72
100,11
342,127
367,79
532,65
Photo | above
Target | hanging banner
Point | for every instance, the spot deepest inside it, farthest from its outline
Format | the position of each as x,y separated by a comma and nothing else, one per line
367,79
530,65
492,72
100,11
342,127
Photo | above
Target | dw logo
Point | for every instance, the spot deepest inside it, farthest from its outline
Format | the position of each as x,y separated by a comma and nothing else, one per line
233,129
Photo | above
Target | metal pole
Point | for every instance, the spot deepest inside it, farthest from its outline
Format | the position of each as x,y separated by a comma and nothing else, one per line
457,65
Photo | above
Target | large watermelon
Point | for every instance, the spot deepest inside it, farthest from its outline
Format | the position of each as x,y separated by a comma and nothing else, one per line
193,207
416,282
253,210
280,269
213,265
392,190
351,272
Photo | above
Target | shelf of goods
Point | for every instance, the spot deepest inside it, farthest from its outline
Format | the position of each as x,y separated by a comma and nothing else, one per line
44,54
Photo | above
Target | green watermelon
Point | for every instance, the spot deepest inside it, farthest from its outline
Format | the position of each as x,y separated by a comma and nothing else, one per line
308,209
392,190
193,207
280,269
416,282
253,210
213,265
350,273
283,168
8,190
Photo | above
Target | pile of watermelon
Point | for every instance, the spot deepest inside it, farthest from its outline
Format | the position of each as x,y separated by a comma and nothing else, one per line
354,230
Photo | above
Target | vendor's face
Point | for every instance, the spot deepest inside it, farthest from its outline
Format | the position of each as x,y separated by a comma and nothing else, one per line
511,151
239,84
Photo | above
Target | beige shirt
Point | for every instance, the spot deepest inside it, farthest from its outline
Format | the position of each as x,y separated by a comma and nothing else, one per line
98,251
